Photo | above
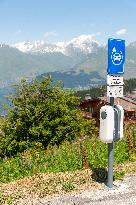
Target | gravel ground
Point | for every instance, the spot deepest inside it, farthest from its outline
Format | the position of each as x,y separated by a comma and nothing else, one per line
122,193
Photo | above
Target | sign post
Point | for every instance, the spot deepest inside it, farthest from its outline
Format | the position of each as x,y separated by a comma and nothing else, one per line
116,59
110,156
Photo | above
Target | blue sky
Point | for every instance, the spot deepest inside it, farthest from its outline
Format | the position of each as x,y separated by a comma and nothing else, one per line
62,20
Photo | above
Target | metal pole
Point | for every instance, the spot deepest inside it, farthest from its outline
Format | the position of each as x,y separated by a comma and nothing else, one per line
110,156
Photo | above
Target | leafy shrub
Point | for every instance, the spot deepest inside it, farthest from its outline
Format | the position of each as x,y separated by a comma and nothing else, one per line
41,114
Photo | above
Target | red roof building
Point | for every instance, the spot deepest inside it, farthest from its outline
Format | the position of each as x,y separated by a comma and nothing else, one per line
91,107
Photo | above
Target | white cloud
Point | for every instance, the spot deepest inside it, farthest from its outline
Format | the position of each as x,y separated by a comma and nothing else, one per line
49,34
121,32
18,32
99,33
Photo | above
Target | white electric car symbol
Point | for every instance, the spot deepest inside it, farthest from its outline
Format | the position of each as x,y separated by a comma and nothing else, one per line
116,57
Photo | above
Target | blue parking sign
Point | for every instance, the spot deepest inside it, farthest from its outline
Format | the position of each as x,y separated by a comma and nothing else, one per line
116,56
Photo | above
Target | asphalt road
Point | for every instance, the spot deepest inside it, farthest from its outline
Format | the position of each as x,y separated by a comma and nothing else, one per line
123,193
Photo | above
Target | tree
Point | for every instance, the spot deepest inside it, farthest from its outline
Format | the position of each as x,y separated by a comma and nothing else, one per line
129,85
42,114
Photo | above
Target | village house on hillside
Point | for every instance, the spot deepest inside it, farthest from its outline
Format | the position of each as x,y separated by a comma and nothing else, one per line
91,107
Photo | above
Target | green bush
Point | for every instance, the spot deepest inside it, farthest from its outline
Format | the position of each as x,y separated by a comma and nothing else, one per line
41,114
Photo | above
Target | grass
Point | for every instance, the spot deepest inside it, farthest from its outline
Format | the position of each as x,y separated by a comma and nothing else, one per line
66,157
30,190
36,174
42,185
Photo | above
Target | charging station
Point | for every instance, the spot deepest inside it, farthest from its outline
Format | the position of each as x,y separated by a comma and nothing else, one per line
111,116
106,124
118,122
111,123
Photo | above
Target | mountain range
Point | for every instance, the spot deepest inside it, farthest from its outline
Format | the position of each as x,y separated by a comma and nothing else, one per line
82,61
82,44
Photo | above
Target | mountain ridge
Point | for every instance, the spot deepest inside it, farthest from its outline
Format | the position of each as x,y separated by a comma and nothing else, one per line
81,53
82,43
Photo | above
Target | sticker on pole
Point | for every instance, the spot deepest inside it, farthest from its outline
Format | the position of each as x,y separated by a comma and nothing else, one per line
115,80
115,91
116,56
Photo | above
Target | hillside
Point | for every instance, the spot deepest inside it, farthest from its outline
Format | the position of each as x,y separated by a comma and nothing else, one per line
81,54
15,64
76,80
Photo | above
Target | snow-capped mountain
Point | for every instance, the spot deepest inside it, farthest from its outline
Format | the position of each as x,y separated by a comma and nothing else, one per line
37,46
81,44
83,53
132,45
